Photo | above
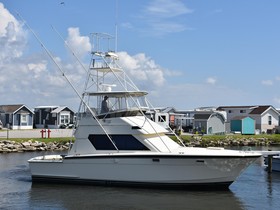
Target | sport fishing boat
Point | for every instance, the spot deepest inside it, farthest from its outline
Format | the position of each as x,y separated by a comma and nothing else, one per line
116,142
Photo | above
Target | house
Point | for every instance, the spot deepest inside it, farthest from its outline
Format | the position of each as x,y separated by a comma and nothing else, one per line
243,125
170,117
160,116
209,122
266,116
17,116
184,118
53,116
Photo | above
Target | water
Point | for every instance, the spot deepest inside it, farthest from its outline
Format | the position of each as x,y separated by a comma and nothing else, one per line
254,189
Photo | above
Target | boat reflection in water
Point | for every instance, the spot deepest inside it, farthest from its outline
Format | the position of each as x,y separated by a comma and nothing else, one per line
54,196
117,144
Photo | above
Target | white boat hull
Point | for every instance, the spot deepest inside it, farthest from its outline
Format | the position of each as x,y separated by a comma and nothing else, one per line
146,170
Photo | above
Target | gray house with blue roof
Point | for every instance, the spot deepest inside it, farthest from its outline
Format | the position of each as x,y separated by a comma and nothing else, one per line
17,116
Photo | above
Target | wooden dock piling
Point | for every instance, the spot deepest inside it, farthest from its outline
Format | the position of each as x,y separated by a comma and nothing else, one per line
269,163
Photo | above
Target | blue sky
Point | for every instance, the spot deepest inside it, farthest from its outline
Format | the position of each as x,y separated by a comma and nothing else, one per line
186,54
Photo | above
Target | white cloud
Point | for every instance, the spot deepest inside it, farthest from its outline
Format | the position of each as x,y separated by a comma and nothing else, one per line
211,80
172,73
164,16
267,82
278,78
6,17
167,8
37,68
12,36
80,44
34,79
143,69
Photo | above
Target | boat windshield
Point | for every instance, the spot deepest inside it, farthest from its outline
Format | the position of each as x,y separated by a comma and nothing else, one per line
117,102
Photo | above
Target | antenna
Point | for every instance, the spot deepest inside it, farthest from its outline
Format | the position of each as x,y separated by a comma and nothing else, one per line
116,27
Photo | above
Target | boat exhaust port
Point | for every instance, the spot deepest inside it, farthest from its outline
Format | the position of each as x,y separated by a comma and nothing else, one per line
135,127
156,160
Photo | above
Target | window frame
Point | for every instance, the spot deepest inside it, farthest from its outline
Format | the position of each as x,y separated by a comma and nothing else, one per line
269,120
64,117
23,119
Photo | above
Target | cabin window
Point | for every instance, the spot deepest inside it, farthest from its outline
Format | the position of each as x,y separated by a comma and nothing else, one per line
243,111
101,142
269,120
123,142
229,111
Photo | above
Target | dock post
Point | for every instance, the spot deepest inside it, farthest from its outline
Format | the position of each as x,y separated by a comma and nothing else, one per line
269,163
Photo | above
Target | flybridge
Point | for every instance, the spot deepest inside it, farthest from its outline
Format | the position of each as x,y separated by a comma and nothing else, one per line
106,78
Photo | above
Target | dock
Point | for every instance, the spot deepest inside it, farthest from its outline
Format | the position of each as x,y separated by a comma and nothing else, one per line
272,160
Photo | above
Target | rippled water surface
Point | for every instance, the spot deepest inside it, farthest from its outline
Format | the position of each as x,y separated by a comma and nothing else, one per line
254,189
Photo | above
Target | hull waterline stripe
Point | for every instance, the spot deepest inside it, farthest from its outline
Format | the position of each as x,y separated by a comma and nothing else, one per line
192,186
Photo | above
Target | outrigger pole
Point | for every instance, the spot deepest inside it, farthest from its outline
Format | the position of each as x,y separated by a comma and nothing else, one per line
74,54
67,79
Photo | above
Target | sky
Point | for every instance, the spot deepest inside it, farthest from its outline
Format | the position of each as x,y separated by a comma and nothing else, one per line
185,53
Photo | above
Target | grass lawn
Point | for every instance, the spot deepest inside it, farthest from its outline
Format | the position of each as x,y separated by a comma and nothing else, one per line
273,138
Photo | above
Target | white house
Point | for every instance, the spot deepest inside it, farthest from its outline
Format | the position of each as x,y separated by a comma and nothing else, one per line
265,116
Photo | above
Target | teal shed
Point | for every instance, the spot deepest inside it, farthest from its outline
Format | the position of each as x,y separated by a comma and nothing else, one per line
244,125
